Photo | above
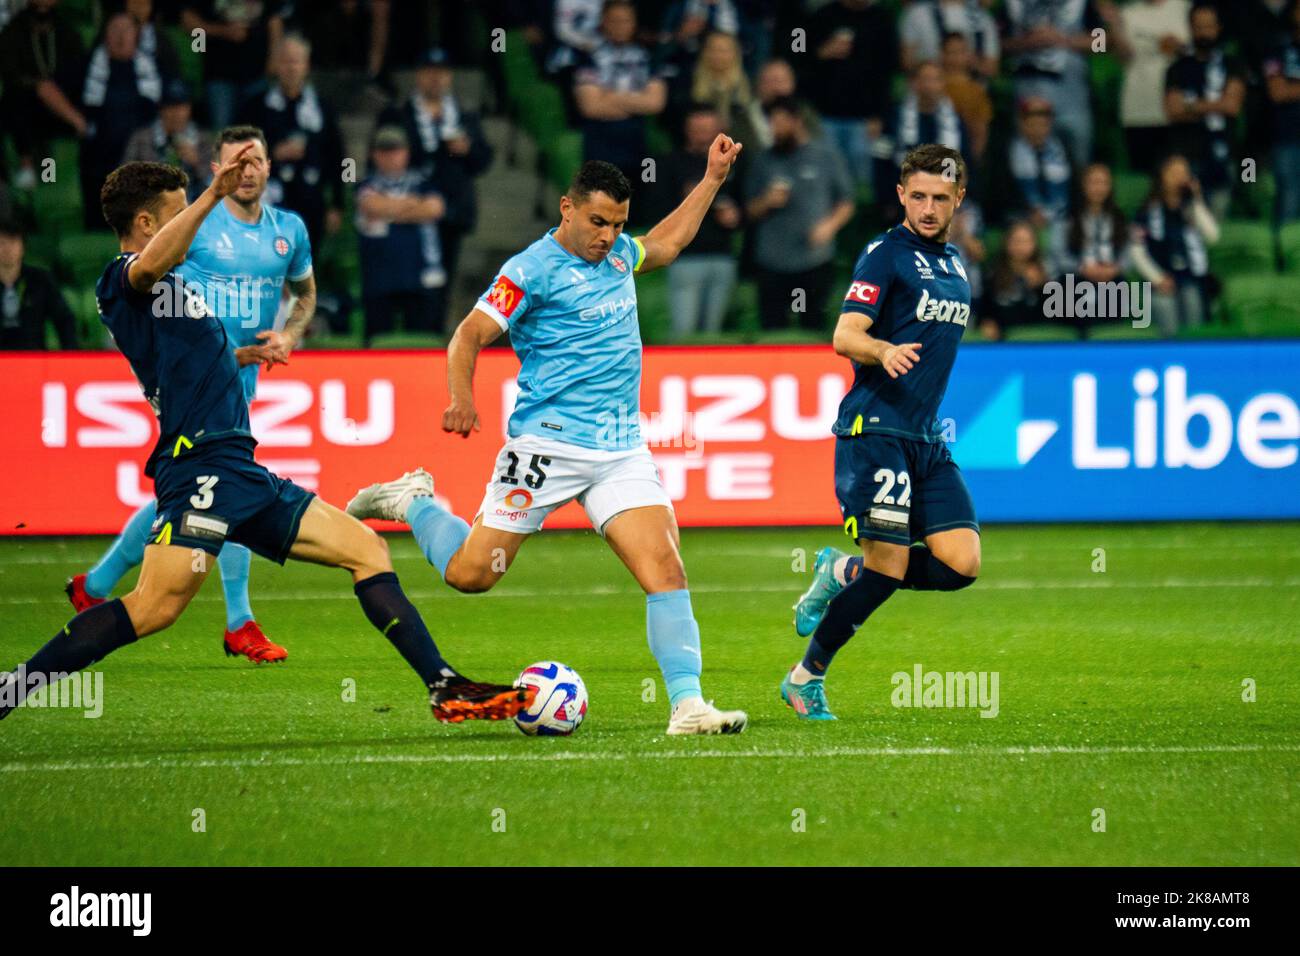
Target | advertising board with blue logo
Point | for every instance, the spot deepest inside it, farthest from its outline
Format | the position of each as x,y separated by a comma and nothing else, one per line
1119,431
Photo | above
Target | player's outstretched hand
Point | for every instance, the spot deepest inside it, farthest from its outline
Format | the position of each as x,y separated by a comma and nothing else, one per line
226,179
252,355
277,345
722,155
461,419
898,359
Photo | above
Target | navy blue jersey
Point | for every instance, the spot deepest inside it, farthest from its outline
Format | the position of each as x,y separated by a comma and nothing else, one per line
914,290
182,357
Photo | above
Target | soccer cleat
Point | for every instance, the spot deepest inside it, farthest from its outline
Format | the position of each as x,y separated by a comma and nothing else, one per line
811,608
75,589
249,640
695,716
457,699
808,700
390,499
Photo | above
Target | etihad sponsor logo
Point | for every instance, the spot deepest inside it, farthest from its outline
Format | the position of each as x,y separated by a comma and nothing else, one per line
610,308
941,310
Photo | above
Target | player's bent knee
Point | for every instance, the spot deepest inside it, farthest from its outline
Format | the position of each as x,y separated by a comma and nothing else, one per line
468,579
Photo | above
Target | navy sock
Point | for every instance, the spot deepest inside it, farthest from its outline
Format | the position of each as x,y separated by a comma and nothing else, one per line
925,572
89,637
388,609
844,615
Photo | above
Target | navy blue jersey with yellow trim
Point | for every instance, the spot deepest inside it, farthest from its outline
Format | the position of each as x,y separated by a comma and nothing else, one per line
182,357
914,290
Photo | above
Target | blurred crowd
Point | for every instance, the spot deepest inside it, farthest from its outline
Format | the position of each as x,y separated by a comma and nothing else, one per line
827,96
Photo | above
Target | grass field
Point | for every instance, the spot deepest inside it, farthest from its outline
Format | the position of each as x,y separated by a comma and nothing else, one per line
1119,691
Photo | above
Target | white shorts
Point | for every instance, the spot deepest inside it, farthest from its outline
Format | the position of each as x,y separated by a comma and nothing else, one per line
533,476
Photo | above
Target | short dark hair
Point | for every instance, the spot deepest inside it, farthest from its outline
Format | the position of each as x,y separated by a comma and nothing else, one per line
239,134
933,158
598,176
136,186
10,225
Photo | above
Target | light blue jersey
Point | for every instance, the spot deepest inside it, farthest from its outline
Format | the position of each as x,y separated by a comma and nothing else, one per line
241,268
574,326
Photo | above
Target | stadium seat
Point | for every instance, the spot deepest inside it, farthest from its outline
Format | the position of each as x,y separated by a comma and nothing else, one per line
1243,246
1264,303
653,306
83,256
562,158
1289,243
1131,191
1121,332
1040,333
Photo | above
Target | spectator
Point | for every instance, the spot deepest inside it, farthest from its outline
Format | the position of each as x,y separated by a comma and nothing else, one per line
1255,27
967,227
39,48
969,96
926,23
702,277
1049,42
615,90
402,270
1282,75
1205,90
925,115
1015,293
446,141
1150,35
576,34
854,49
174,138
29,297
800,195
1093,246
719,80
153,42
120,93
1040,166
240,41
350,38
306,146
1168,247
776,79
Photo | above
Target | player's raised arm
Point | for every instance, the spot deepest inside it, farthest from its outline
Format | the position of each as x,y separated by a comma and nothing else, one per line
166,248
477,331
665,242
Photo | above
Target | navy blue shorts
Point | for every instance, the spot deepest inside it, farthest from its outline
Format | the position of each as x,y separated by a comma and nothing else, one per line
898,489
218,493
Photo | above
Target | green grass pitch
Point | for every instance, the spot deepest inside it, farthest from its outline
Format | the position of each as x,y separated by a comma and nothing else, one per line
1120,693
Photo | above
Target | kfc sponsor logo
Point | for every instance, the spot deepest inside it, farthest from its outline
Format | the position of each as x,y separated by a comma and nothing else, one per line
505,296
864,293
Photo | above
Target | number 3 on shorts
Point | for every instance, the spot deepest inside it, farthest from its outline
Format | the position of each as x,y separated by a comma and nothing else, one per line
203,499
887,479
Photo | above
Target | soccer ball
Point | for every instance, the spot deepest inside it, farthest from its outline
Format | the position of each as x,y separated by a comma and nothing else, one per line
561,701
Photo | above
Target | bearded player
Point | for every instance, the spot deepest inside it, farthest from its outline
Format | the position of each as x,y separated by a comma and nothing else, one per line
569,304
245,252
901,495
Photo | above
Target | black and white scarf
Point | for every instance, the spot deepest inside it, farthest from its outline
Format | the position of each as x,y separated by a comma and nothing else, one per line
435,130
148,82
308,114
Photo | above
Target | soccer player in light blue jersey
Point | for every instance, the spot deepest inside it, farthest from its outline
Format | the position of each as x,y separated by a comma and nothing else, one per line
569,304
242,257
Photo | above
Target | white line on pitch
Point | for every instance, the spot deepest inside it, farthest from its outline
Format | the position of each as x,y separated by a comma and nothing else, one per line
793,587
590,757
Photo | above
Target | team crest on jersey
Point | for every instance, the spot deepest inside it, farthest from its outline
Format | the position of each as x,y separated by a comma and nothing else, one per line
618,263
281,246
505,296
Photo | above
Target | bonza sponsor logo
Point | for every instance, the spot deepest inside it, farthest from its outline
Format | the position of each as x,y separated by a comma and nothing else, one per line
941,310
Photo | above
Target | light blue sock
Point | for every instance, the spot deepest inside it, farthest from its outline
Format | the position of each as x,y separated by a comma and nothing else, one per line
675,642
124,553
234,561
439,533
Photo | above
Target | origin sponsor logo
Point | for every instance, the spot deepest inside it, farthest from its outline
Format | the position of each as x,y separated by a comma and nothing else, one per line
512,515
